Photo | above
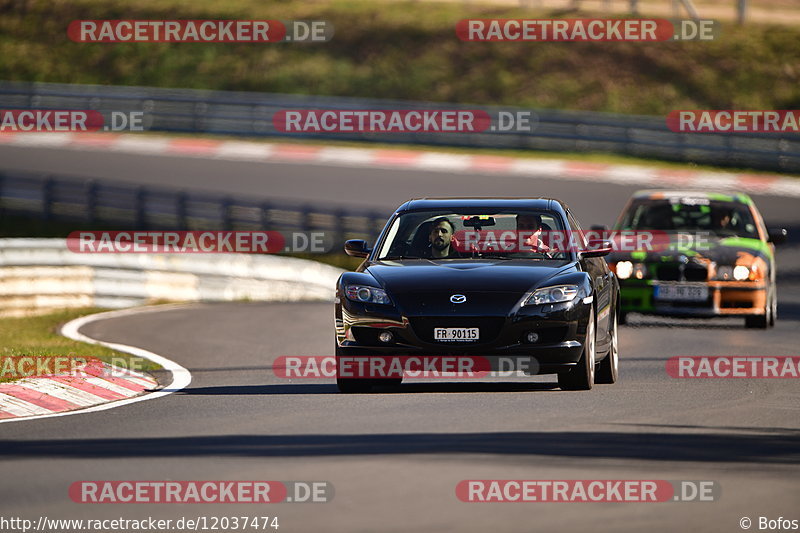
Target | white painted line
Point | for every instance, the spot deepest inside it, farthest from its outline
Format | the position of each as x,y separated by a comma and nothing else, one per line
18,407
538,168
51,139
244,151
443,161
347,156
181,377
141,145
60,391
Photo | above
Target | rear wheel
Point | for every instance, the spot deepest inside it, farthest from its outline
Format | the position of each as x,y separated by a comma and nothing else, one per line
608,369
582,376
350,385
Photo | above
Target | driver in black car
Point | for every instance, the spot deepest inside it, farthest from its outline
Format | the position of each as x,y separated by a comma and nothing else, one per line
441,240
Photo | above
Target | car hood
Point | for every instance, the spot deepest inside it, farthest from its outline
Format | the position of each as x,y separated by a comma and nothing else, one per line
425,286
720,250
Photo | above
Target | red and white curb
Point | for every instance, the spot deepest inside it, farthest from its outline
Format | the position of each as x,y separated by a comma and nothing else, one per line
414,160
100,389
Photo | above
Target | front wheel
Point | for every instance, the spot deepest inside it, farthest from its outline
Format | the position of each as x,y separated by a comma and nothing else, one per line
350,385
582,376
767,320
608,369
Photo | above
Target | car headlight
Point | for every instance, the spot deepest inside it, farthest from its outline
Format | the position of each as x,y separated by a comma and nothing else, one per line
639,271
624,269
364,294
551,295
741,272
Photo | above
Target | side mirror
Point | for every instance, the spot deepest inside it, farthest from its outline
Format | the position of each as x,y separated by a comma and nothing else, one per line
356,248
597,248
777,235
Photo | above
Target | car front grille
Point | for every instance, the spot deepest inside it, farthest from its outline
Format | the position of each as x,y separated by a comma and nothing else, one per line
681,272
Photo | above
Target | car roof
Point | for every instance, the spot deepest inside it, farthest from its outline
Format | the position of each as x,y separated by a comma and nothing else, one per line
548,204
665,194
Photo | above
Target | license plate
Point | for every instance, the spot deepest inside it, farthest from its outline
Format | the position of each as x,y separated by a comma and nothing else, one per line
682,293
455,334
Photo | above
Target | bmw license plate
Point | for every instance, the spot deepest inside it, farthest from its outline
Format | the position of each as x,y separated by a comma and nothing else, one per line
681,293
456,334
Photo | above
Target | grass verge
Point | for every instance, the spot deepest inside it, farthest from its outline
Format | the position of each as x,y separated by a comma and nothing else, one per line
38,336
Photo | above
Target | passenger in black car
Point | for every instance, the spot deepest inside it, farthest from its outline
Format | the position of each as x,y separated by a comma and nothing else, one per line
441,240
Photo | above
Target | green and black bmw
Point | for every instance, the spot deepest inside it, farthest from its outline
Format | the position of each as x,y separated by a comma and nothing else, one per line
707,255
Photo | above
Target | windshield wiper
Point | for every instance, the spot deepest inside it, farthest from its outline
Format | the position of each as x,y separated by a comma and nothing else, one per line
398,257
494,256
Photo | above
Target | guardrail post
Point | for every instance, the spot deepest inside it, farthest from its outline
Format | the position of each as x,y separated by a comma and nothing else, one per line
2,189
141,208
377,221
91,201
47,198
306,219
340,228
181,210
265,216
227,216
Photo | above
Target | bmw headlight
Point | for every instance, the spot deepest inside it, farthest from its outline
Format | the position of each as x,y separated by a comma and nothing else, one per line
364,294
551,295
741,272
624,269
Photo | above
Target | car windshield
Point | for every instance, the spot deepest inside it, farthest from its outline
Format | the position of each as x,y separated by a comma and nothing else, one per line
476,234
691,214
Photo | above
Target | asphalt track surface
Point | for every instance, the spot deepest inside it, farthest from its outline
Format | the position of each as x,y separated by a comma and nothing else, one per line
395,457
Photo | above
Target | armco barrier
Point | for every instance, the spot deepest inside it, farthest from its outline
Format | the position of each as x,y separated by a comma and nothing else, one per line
93,202
250,114
42,274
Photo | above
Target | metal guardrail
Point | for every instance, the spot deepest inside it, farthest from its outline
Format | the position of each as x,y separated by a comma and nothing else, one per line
250,114
96,204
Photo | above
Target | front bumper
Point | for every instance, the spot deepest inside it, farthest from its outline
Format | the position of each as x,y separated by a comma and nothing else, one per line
725,298
561,329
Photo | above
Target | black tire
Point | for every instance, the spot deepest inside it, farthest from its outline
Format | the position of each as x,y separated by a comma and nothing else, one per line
773,316
623,317
582,376
767,320
608,369
388,382
351,385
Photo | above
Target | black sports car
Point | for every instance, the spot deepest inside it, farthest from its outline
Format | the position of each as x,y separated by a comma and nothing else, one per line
471,277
